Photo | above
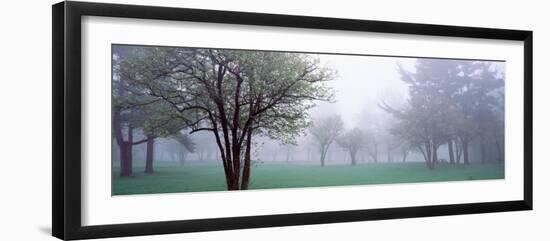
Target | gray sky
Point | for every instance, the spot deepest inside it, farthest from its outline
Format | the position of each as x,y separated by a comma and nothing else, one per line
362,82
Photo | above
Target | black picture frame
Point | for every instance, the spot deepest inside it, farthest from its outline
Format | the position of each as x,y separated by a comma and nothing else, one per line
66,47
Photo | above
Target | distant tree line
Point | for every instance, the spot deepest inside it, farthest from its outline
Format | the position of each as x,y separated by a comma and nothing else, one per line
451,103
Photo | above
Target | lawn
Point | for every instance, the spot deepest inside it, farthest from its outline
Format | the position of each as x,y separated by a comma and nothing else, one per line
195,178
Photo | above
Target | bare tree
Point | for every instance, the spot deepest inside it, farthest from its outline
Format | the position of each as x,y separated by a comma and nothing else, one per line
325,131
352,141
373,144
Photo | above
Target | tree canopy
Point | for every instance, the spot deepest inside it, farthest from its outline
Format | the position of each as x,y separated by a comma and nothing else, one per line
448,100
325,132
233,94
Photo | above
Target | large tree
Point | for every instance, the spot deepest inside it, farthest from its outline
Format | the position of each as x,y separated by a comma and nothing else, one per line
488,110
126,117
478,95
325,131
233,94
421,128
450,101
134,112
132,120
425,121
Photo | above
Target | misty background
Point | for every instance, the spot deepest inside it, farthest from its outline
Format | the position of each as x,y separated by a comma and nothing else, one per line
361,84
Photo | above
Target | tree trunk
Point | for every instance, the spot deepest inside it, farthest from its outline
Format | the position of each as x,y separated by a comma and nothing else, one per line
125,152
126,155
323,155
375,153
125,159
233,184
353,160
235,173
434,157
129,149
149,155
405,154
182,157
246,165
465,152
236,166
483,148
451,152
324,152
499,151
458,151
426,150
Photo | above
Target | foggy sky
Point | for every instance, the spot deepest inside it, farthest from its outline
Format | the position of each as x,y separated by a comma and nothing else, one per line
361,83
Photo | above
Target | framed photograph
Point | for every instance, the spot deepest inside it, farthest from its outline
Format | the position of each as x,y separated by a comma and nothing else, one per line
171,120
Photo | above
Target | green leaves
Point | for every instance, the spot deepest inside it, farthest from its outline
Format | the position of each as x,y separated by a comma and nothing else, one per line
205,89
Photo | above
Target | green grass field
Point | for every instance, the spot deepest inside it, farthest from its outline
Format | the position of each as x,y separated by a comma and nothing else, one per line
197,178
